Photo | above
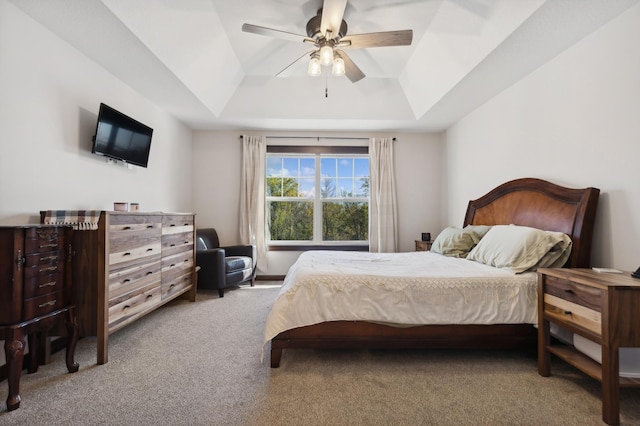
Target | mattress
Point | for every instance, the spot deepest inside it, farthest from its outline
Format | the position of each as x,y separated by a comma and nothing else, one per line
401,289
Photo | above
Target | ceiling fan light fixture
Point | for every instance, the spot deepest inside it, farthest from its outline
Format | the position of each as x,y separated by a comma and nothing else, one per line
338,66
326,54
314,69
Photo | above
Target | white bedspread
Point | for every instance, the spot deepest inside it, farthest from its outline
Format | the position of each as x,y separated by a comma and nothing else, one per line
400,288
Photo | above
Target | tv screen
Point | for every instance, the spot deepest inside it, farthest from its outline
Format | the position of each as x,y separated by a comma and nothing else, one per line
120,137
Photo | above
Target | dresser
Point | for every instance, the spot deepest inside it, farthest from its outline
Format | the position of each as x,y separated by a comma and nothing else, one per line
601,307
35,296
131,265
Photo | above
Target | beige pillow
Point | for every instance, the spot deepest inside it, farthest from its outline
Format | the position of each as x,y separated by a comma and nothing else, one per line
521,248
480,230
455,242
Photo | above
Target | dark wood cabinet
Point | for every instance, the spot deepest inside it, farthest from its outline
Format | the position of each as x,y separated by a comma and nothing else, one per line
35,295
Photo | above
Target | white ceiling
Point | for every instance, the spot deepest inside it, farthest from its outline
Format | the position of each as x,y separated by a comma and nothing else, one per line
191,57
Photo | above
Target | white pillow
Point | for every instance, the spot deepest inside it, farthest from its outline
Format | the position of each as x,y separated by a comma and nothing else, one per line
521,248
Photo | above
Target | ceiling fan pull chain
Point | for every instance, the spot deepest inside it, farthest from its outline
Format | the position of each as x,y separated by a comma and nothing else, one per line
326,86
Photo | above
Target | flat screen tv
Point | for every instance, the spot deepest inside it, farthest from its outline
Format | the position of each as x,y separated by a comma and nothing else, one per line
120,137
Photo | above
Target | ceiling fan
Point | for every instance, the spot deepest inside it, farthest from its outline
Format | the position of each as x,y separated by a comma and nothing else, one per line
327,32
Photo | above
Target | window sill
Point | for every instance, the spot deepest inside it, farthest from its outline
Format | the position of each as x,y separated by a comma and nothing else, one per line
308,247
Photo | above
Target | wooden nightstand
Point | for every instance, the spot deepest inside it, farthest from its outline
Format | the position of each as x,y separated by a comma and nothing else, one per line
602,307
423,245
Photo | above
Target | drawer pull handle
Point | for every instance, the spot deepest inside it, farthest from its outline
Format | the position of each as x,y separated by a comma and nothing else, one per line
42,259
126,307
49,284
149,296
50,268
172,286
126,280
149,226
173,224
48,245
172,265
127,254
126,228
567,312
568,290
149,249
172,245
150,272
52,303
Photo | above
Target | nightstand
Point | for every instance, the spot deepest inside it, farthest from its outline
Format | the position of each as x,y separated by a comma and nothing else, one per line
423,245
602,307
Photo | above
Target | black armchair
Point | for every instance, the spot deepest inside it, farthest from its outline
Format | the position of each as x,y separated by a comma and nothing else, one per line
222,267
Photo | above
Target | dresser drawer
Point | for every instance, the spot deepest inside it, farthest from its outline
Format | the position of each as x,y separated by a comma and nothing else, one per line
177,284
43,263
177,243
579,294
128,307
40,284
42,305
39,240
562,310
126,280
177,220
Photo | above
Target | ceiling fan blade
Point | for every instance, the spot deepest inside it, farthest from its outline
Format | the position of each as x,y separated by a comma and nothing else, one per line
379,39
270,32
351,70
332,13
291,64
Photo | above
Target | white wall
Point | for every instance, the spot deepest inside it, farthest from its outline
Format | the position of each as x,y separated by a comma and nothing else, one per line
575,122
216,177
49,99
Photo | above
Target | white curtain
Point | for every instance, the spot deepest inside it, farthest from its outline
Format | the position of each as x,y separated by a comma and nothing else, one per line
252,196
382,197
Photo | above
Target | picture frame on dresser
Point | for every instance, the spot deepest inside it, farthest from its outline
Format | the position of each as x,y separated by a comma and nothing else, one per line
128,265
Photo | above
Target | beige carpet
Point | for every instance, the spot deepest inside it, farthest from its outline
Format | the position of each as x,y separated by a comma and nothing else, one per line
199,364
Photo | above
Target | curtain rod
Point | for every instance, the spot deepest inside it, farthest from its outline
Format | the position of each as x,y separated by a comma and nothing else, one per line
317,137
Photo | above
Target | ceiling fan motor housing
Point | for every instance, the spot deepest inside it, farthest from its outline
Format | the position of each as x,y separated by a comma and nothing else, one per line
314,25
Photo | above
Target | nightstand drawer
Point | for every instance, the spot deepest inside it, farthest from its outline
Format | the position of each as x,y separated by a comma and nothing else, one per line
573,313
579,294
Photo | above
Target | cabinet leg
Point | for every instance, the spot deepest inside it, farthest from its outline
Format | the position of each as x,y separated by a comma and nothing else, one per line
14,353
72,338
610,385
34,341
544,340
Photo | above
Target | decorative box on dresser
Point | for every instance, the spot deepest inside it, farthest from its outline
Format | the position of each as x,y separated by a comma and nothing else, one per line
35,296
601,307
131,265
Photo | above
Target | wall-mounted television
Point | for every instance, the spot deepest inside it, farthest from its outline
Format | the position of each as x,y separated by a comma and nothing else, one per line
120,137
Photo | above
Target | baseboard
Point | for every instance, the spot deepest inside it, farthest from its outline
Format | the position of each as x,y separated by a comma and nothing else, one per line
269,277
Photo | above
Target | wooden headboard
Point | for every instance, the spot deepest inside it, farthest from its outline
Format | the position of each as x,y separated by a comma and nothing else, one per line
543,205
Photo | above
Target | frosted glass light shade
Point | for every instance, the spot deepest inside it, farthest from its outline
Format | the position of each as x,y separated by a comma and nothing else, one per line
314,68
338,66
326,55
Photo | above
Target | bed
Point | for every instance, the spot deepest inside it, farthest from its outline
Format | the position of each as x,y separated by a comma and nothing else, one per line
381,320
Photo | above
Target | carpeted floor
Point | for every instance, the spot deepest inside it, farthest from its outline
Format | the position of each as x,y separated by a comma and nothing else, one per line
199,364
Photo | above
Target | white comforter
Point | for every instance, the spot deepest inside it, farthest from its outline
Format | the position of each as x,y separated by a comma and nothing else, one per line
402,289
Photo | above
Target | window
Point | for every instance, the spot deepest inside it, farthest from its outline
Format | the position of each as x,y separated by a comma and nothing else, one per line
318,198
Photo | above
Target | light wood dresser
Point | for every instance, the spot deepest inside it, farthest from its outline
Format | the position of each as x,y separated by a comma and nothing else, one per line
133,264
601,307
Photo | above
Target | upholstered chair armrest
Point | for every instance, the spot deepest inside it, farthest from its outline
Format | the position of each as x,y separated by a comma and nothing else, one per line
241,250
212,266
